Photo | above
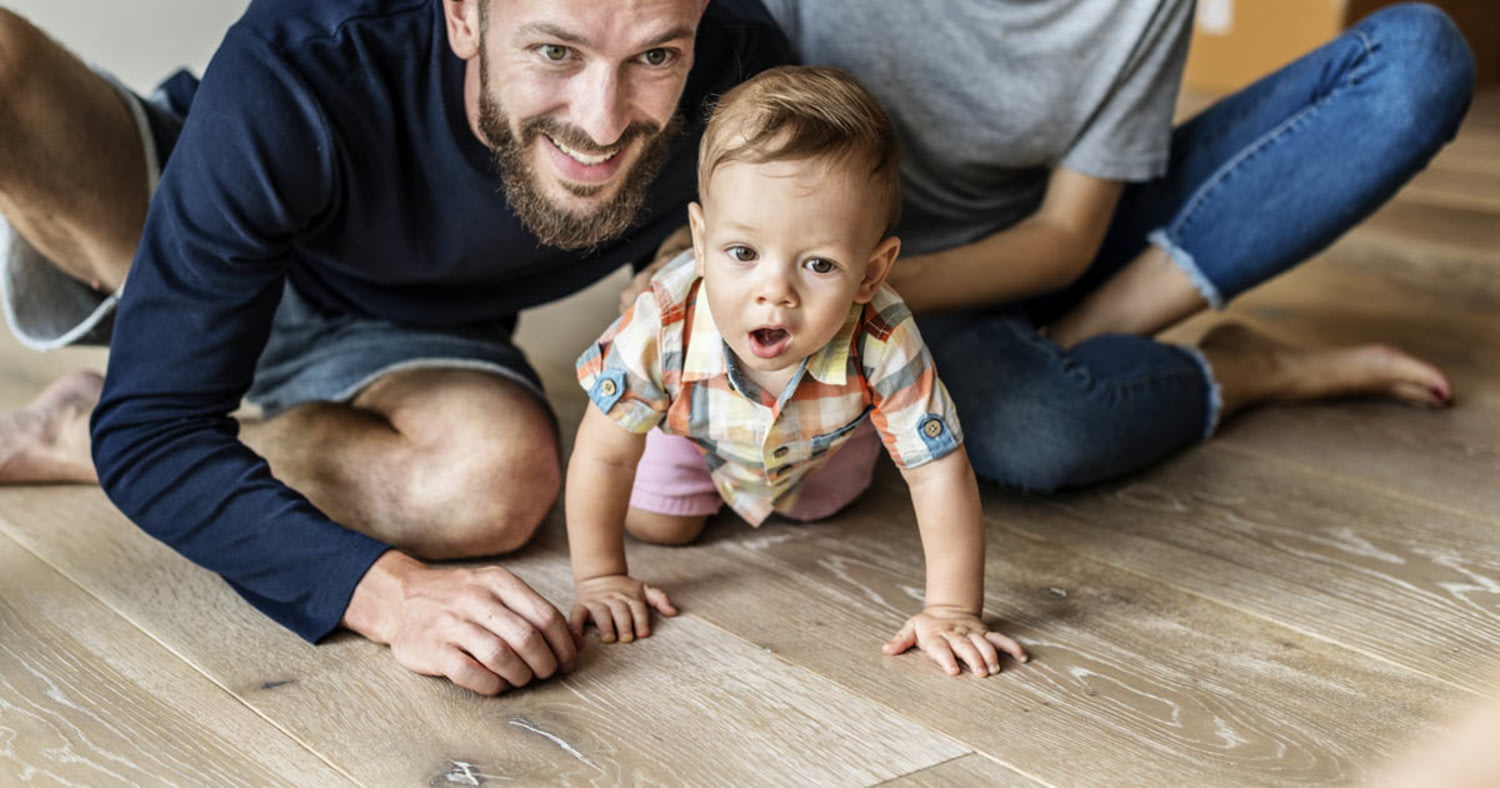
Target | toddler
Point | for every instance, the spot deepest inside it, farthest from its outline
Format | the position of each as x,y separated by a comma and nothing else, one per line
760,354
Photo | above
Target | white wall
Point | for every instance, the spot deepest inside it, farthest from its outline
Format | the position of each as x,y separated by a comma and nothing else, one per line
140,41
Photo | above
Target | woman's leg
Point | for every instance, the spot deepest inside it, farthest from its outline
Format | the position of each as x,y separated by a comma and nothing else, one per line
1275,173
1040,418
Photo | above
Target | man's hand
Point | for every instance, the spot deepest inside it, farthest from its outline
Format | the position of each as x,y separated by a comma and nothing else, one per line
950,636
482,628
620,607
670,248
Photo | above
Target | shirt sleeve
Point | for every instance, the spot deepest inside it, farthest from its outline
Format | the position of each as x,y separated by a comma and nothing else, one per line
911,409
1129,136
622,371
254,167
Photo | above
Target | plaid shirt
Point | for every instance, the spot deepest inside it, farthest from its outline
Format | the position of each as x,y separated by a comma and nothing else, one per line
665,363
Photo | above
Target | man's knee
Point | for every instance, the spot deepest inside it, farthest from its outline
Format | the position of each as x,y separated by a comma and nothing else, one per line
20,43
482,500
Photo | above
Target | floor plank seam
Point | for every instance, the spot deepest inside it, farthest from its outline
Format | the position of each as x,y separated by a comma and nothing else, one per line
1315,635
7,529
1364,484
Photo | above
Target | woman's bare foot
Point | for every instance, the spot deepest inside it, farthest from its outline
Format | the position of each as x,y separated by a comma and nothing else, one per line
48,440
1252,368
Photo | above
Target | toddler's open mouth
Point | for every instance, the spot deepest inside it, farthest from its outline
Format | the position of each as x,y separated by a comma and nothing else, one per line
769,342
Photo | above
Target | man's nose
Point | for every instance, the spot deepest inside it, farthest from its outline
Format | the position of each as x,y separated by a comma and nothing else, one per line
599,104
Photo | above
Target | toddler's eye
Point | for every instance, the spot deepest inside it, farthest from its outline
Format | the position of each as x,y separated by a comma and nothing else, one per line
656,57
554,52
820,266
742,254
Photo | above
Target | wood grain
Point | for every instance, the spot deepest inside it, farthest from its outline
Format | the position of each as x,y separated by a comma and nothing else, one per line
86,699
652,713
968,770
1132,682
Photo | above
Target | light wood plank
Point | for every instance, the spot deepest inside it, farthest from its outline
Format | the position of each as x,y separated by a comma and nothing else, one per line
968,770
1132,683
87,699
1391,578
690,710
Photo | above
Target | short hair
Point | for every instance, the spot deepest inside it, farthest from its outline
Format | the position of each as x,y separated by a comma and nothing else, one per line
791,113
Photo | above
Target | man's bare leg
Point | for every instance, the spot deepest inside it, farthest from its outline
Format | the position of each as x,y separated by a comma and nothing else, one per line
1152,294
72,168
73,183
442,463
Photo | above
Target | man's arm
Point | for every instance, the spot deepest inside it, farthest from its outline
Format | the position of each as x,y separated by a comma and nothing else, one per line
1044,252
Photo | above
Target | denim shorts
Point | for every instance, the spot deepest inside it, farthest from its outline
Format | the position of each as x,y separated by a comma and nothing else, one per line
311,355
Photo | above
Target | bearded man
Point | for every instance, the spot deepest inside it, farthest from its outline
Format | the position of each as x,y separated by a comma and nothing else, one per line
361,196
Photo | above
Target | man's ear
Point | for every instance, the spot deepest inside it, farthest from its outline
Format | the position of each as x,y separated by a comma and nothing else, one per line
878,268
464,30
700,237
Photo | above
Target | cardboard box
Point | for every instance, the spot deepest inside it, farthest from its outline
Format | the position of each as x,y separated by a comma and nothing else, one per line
1236,42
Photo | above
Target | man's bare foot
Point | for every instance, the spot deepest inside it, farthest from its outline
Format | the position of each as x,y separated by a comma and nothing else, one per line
48,440
1252,368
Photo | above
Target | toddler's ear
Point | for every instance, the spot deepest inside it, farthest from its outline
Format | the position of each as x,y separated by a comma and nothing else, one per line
878,268
700,237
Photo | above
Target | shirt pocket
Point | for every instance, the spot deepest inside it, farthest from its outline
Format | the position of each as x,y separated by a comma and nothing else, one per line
825,442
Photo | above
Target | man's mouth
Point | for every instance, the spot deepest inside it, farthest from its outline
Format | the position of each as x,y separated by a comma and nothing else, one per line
769,342
583,167
586,159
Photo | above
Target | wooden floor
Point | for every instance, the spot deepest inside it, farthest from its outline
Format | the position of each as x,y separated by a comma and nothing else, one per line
1288,604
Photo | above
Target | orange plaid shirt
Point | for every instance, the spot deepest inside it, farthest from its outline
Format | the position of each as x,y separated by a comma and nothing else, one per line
665,363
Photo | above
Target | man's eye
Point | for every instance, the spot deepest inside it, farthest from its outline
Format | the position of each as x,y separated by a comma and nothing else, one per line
657,57
820,266
743,254
554,52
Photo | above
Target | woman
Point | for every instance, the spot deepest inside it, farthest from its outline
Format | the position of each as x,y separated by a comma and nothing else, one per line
1055,221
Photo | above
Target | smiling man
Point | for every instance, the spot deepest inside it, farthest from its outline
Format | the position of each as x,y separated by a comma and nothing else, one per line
361,196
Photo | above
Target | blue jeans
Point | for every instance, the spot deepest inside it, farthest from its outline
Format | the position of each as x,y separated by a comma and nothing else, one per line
1257,183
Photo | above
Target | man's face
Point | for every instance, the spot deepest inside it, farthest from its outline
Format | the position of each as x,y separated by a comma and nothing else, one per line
578,100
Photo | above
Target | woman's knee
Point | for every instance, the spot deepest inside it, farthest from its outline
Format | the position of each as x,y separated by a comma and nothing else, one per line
1429,69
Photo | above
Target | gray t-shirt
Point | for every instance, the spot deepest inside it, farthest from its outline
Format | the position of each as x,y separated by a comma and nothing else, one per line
989,95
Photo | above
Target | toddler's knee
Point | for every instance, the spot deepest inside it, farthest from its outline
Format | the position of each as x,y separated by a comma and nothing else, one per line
664,529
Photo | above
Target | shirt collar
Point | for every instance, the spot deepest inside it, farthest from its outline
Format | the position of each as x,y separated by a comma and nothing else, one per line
707,352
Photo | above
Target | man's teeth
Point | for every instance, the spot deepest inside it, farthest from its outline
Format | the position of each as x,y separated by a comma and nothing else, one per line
589,159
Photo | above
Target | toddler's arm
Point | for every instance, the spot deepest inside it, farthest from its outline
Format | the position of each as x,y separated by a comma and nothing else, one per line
949,629
600,475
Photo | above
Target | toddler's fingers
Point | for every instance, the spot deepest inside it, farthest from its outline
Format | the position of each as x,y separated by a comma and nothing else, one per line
603,621
967,653
1009,646
986,650
657,598
624,621
902,642
640,617
938,649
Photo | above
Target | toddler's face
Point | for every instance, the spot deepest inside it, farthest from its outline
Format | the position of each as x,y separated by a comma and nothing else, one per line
784,249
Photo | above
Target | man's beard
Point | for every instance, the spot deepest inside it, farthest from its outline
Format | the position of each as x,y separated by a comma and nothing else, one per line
550,223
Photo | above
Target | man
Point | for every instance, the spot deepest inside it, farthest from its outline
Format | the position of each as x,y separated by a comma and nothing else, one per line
331,230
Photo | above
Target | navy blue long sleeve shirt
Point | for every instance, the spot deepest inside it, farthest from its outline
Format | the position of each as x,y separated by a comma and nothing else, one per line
328,146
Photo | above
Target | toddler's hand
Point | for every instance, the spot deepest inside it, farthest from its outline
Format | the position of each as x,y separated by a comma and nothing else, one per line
949,636
618,606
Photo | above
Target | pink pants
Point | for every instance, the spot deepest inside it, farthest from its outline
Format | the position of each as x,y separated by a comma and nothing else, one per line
673,478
